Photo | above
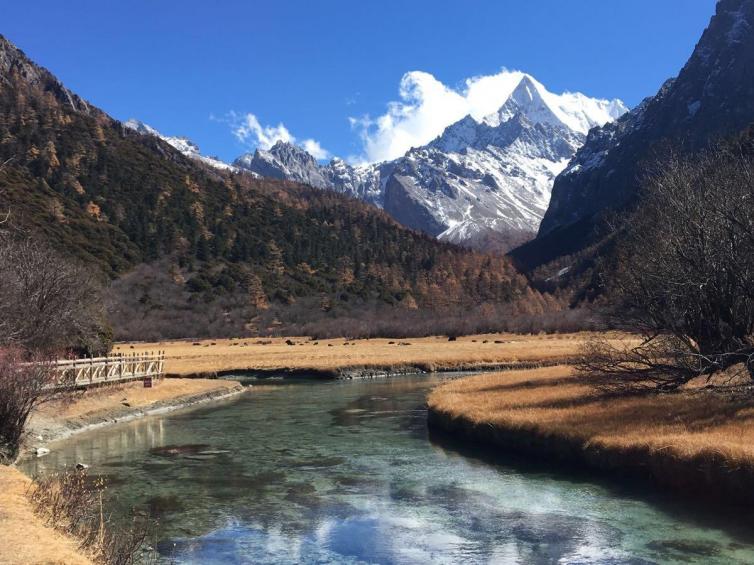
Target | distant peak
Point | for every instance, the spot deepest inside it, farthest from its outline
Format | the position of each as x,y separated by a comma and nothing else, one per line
527,101
284,144
526,92
182,144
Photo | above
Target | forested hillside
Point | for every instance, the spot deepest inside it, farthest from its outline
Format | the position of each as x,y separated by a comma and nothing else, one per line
206,241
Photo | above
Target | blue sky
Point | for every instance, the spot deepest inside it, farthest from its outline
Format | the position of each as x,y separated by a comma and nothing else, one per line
197,68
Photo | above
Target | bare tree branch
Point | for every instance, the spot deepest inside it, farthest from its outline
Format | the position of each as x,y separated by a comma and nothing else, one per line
47,302
683,275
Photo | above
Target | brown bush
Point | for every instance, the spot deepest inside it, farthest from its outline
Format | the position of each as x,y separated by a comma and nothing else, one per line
48,302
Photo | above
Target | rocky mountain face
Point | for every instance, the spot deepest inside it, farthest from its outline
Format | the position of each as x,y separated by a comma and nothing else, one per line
488,176
286,161
711,98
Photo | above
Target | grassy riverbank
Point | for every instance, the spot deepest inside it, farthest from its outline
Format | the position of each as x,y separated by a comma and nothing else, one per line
24,537
341,356
107,405
697,441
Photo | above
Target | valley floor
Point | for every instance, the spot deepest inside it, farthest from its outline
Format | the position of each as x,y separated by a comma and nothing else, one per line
361,357
698,441
695,440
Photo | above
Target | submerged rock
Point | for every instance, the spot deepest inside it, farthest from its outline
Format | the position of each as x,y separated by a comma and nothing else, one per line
187,449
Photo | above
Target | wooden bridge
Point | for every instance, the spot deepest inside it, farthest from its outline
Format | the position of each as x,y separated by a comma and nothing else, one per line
78,373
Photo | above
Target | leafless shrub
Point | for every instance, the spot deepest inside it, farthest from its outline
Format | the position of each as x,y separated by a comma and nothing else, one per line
662,363
46,301
684,275
24,383
73,504
147,304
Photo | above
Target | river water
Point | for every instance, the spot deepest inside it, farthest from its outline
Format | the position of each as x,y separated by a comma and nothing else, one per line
345,472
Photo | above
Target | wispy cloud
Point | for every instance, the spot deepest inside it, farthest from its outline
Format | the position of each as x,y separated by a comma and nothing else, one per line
253,134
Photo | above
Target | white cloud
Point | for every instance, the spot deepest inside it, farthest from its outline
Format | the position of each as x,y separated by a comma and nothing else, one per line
249,131
426,107
315,149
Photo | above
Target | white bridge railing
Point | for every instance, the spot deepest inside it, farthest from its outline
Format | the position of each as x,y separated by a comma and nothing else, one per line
98,370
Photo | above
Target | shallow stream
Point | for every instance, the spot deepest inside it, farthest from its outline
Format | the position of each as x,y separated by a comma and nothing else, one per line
344,472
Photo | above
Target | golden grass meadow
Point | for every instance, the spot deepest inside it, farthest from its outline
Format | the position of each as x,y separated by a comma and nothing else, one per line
555,411
427,353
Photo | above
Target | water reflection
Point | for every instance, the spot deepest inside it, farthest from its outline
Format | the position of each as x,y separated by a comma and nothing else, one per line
344,473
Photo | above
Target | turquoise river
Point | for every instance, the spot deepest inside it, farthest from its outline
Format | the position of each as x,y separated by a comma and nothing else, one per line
346,472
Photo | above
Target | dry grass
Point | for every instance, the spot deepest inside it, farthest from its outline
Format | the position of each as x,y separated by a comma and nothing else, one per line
693,424
24,538
183,357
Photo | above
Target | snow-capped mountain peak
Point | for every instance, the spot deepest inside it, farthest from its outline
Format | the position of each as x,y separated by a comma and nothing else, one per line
182,144
576,111
527,101
285,160
141,127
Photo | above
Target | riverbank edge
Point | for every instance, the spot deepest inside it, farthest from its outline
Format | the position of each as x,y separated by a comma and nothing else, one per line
354,372
707,477
64,429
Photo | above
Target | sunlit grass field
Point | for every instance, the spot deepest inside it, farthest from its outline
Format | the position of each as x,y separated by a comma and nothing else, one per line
207,356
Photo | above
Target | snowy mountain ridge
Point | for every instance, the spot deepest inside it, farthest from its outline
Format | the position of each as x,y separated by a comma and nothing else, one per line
182,144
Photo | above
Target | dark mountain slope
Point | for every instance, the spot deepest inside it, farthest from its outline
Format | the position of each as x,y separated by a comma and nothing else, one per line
118,199
712,98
